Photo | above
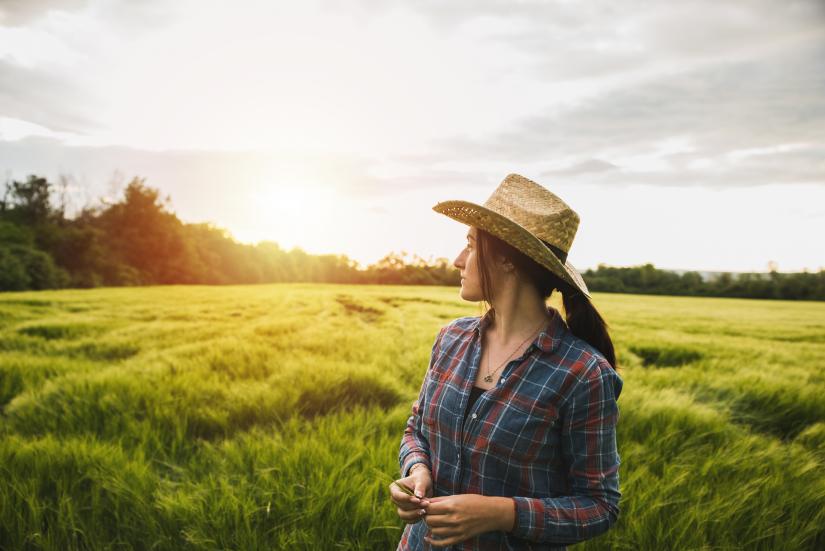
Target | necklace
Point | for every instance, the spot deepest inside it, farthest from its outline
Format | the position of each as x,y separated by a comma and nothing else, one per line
489,377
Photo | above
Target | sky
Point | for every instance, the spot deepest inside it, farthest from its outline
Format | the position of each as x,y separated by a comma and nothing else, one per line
690,135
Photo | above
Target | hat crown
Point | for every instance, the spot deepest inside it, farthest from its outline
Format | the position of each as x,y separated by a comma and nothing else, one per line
536,209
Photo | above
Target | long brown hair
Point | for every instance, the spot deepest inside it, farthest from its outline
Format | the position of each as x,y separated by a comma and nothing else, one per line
582,317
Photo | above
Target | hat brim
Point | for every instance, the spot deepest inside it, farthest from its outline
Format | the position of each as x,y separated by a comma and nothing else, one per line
513,233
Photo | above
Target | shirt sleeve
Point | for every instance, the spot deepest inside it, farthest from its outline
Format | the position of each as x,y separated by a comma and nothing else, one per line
414,446
588,439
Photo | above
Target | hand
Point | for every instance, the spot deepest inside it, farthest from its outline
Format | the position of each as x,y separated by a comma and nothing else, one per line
456,518
410,508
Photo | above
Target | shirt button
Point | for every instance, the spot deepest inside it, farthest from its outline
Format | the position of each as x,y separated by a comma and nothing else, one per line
474,415
502,380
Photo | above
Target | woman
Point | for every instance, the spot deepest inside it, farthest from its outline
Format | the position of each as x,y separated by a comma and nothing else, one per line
512,441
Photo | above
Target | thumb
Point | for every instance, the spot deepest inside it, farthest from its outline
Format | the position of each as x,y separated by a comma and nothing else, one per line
420,488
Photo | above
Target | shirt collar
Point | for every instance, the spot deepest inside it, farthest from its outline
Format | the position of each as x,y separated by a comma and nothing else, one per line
549,337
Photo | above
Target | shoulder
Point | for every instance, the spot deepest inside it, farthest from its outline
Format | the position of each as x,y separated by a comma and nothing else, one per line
457,331
467,323
460,327
587,366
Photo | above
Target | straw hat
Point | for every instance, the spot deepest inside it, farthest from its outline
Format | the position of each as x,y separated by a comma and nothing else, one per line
530,218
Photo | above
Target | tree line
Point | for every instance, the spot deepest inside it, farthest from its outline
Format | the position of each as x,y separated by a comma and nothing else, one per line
136,240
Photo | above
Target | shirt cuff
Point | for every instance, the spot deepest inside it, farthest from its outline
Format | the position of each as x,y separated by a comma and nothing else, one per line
515,517
525,519
412,459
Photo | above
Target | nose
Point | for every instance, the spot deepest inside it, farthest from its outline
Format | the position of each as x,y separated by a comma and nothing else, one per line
459,260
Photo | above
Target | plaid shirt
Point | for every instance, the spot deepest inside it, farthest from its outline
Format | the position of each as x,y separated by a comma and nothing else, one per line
545,435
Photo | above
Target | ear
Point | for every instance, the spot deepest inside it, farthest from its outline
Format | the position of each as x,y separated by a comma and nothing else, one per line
506,265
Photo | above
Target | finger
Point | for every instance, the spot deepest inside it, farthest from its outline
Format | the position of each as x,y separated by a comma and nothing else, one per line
411,517
403,500
403,485
438,521
438,507
398,497
416,502
442,542
445,533
421,488
407,506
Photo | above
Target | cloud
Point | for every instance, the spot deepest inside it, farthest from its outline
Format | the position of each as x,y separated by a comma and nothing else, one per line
664,94
584,167
584,40
638,38
52,66
21,12
124,14
47,99
679,128
195,179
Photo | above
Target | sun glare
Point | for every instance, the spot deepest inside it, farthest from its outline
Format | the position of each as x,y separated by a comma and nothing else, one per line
293,208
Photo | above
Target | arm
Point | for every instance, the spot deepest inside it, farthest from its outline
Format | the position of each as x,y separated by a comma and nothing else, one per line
414,447
588,441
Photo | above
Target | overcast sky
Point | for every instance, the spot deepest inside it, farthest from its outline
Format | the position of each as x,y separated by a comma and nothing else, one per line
687,134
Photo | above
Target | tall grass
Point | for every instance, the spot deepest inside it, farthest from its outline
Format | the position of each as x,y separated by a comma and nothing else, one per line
255,417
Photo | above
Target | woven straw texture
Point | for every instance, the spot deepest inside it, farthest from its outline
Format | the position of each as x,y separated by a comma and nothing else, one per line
522,213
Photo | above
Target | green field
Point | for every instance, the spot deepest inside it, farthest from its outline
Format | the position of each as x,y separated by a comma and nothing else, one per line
270,416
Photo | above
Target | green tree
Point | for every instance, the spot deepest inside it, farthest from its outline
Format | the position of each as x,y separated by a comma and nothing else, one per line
143,235
30,201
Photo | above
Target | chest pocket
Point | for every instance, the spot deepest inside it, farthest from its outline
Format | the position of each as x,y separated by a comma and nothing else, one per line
521,436
434,398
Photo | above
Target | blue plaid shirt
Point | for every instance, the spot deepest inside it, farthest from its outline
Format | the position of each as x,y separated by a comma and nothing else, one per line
545,435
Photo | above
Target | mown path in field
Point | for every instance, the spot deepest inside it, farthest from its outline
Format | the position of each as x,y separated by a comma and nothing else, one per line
269,417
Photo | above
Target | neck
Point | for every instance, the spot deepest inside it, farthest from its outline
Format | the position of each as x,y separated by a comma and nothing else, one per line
519,310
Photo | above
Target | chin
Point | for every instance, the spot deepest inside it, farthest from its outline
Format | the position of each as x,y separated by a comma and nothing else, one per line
469,296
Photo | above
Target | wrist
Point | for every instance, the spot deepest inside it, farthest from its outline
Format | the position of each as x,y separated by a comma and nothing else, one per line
503,513
415,465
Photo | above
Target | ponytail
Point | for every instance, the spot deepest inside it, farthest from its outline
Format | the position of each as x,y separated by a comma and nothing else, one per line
585,322
582,318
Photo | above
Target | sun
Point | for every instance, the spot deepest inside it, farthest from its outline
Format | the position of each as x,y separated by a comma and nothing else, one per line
293,208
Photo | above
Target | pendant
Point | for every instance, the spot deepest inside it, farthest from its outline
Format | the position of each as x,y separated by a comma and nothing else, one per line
488,378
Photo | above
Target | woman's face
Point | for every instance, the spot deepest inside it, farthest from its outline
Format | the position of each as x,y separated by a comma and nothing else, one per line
467,264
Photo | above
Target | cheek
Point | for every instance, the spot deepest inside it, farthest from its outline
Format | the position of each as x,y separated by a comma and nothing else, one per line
474,264
471,261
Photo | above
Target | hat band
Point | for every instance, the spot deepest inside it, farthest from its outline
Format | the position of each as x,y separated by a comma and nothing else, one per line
558,252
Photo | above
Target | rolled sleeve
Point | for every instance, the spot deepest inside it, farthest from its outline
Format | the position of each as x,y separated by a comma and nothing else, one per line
588,440
414,446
